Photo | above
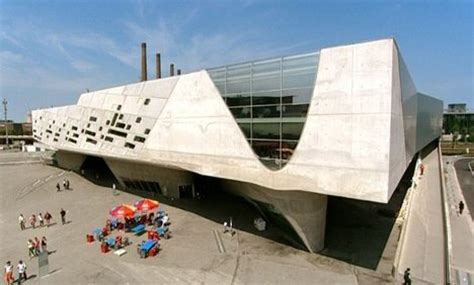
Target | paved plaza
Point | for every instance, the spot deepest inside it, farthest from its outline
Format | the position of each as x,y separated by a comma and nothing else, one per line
191,256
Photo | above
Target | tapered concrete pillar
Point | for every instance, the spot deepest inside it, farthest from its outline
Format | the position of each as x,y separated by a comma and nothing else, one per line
171,70
143,76
305,212
70,160
158,66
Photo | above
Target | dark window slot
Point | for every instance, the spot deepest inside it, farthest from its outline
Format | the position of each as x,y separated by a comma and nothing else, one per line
49,131
147,131
55,139
147,101
117,133
90,133
128,127
89,140
114,119
129,145
56,134
120,125
92,119
138,120
73,140
109,139
139,139
74,128
75,135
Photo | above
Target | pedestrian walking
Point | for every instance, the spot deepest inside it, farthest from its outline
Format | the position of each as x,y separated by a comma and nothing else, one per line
47,217
31,249
64,184
44,244
63,216
422,169
21,267
58,187
21,221
33,221
8,273
407,277
461,207
67,184
113,188
37,245
40,220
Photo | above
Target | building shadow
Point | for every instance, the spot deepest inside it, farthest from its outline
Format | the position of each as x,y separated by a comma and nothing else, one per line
357,231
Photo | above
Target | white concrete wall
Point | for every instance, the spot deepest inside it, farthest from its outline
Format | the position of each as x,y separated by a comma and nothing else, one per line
356,143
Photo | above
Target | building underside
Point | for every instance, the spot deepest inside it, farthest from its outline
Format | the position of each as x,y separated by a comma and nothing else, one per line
283,133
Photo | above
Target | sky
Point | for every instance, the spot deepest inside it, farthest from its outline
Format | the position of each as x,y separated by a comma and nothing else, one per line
52,51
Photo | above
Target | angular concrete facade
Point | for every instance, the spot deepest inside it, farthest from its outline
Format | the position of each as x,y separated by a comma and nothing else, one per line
364,124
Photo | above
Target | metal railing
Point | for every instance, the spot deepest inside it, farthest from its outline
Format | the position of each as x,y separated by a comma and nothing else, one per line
446,223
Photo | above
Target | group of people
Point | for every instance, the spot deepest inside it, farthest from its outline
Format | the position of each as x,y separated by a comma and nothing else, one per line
35,221
40,219
65,185
21,269
36,246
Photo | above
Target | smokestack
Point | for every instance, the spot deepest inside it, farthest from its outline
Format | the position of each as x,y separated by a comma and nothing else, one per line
178,72
143,75
158,66
171,70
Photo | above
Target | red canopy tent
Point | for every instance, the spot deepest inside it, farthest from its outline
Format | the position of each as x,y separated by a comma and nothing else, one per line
145,205
123,210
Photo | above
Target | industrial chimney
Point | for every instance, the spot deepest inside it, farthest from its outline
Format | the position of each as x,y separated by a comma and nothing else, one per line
158,66
144,73
178,72
171,70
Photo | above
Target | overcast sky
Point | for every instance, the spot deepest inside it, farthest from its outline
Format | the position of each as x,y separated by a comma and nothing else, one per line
52,51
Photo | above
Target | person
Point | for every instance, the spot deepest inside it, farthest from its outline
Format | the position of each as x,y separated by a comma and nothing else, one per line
63,216
422,169
31,248
37,246
40,220
407,277
67,184
47,217
113,189
21,267
44,244
58,187
8,271
461,207
21,220
33,221
225,227
166,220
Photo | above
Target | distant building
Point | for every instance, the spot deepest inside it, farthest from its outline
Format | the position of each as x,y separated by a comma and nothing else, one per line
16,132
457,108
284,132
458,119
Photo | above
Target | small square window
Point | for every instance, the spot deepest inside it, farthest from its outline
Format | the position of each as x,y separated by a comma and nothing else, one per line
147,131
107,122
64,125
121,117
147,101
119,107
128,127
138,120
100,129
88,125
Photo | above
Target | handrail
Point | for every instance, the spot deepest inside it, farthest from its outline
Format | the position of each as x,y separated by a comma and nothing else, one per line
446,223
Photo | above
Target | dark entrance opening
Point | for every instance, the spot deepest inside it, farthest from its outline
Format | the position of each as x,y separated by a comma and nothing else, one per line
357,231
185,191
96,170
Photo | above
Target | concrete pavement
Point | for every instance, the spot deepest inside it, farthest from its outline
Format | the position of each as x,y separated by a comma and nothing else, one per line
423,246
462,227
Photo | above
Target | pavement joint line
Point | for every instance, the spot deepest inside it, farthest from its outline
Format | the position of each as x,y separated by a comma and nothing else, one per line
220,245
50,274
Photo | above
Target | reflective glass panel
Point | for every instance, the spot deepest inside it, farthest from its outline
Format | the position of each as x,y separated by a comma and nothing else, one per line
266,131
240,112
269,111
295,110
291,131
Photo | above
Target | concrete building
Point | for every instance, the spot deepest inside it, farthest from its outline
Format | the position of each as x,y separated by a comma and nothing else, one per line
284,132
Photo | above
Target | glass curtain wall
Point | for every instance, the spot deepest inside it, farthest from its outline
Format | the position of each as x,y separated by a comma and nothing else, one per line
269,100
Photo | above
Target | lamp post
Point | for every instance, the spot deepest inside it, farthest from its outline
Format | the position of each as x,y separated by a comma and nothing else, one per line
6,125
